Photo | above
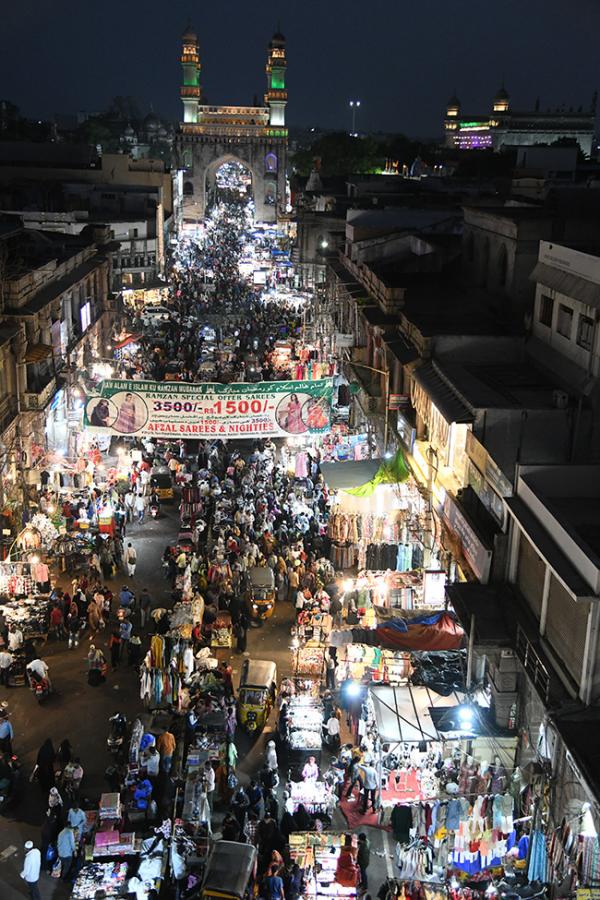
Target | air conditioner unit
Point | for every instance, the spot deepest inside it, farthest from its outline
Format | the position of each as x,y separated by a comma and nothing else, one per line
560,399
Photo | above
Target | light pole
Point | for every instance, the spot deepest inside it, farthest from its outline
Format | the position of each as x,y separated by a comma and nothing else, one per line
354,105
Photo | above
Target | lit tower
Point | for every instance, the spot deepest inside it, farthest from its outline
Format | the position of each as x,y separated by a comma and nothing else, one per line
190,67
501,100
276,96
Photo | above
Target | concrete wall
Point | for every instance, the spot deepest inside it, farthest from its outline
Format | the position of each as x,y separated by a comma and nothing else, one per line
513,434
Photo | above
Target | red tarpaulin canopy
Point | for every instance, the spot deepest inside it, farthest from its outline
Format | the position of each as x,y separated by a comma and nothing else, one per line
445,634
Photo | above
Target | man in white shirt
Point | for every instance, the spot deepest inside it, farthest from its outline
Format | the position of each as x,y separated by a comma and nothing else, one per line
40,668
15,638
333,732
209,779
6,662
31,870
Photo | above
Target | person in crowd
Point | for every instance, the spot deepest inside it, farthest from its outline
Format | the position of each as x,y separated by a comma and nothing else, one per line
114,644
347,873
131,559
65,846
370,786
165,745
363,857
310,772
6,662
30,873
44,768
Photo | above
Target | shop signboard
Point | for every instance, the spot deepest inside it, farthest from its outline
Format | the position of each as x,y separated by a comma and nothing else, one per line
406,432
398,401
177,409
343,340
474,551
434,588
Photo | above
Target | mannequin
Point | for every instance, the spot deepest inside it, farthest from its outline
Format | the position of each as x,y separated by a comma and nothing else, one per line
499,775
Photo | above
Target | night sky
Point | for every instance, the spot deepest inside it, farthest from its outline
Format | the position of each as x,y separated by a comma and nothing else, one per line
401,59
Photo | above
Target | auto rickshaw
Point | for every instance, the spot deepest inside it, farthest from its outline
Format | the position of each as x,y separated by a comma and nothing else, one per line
161,481
262,593
258,687
230,871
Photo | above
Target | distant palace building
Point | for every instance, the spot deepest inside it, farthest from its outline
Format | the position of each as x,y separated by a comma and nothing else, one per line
505,127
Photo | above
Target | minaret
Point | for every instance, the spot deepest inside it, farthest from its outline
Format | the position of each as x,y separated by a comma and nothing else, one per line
276,95
190,67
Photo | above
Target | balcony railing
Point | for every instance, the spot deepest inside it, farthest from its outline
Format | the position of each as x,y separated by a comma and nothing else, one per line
30,401
533,664
8,412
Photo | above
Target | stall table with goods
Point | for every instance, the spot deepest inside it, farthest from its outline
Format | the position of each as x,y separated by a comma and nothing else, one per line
317,854
309,660
110,877
317,797
304,728
222,631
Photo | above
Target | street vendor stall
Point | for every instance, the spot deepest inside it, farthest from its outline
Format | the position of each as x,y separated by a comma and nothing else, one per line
303,728
317,855
110,877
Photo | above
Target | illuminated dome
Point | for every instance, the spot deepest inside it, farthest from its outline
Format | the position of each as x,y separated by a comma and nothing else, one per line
189,35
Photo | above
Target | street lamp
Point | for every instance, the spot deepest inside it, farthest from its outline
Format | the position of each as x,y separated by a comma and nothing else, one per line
354,105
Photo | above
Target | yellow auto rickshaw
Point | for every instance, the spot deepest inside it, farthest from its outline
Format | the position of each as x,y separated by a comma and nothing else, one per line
230,871
258,688
262,593
162,483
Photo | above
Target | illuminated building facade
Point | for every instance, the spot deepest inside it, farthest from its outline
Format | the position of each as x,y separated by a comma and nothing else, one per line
506,127
255,136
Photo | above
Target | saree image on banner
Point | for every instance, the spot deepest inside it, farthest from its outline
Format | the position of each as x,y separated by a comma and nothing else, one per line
268,409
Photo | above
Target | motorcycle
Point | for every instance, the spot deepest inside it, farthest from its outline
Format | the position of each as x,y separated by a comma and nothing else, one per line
117,733
154,511
40,688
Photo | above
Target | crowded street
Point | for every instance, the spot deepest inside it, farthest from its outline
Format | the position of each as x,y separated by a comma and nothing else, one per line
197,545
226,634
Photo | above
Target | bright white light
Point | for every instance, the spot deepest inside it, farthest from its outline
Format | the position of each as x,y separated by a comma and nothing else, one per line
34,560
465,715
388,455
348,585
353,689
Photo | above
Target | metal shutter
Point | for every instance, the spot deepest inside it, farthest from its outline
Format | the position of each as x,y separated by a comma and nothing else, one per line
530,575
566,627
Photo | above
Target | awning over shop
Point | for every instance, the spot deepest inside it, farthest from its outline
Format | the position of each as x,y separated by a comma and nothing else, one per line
341,476
441,395
364,476
427,631
37,352
403,713
567,283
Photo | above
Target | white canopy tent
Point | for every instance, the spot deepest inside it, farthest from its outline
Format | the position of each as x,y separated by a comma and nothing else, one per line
403,715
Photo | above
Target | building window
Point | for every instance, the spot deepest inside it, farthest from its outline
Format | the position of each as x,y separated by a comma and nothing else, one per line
585,332
564,321
546,310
